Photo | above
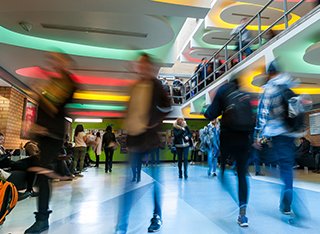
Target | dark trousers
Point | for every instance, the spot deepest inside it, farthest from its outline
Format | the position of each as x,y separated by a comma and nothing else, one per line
97,160
109,156
49,151
236,145
183,156
194,155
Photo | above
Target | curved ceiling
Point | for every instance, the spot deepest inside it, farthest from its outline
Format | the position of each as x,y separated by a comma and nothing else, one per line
104,29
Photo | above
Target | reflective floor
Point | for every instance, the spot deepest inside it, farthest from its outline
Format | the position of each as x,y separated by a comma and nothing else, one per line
198,205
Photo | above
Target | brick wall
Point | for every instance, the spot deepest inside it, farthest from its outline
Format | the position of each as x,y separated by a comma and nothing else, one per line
314,139
4,107
11,111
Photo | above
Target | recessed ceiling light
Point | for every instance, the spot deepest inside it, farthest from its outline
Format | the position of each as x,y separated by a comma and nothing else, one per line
88,120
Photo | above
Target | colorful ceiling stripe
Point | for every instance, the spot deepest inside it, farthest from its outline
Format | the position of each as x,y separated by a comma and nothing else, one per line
40,73
98,114
101,96
219,22
96,107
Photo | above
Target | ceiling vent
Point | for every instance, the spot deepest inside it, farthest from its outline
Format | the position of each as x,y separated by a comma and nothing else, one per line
220,38
94,30
249,16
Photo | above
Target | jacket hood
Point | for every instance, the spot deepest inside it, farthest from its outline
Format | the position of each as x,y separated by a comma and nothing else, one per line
284,79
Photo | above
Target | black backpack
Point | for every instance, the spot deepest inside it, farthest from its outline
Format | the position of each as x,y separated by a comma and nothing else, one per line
237,114
294,115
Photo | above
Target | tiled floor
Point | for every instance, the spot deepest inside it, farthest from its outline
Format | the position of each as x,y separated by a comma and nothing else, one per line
198,205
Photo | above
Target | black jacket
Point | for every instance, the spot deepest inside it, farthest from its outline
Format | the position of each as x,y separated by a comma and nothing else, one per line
182,136
108,137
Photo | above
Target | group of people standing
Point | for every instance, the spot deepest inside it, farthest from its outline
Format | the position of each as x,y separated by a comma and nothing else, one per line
107,142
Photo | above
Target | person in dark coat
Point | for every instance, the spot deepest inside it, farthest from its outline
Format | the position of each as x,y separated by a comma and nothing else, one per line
109,144
232,143
49,132
182,142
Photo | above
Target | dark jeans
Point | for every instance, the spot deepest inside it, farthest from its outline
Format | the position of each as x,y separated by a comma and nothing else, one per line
283,154
136,164
155,156
317,161
194,155
183,156
109,156
49,151
236,145
97,160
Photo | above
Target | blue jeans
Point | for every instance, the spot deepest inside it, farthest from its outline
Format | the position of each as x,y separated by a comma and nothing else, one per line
183,155
132,193
255,158
283,154
213,160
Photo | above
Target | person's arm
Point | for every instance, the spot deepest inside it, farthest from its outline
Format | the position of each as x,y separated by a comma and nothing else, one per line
216,107
84,137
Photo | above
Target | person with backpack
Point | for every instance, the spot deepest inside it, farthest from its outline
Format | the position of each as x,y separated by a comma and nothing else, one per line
237,124
274,123
109,143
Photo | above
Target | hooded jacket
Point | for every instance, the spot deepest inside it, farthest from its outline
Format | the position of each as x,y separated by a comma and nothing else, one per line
182,135
271,111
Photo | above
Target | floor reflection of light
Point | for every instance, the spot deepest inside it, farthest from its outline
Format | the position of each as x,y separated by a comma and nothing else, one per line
89,213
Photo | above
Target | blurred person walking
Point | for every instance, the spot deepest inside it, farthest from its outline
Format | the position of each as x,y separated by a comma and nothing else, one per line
49,132
148,106
273,124
237,124
182,141
109,143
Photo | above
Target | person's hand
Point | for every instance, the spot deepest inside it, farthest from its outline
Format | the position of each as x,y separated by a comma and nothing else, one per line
257,145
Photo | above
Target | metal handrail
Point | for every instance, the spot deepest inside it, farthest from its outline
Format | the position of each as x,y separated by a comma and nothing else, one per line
241,49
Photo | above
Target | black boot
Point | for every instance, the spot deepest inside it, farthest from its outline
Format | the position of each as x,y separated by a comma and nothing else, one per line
41,223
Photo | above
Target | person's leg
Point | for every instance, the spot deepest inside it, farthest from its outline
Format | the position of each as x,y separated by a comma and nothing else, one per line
76,156
139,165
174,156
284,147
133,164
185,161
156,220
157,155
179,152
49,149
111,151
83,152
210,156
106,151
215,161
241,156
97,160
